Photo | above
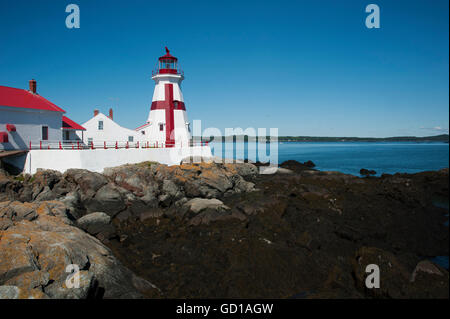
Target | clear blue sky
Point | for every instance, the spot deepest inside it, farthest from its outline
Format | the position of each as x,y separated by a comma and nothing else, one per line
306,67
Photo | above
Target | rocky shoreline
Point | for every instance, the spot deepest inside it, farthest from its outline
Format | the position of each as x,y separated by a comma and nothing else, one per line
212,230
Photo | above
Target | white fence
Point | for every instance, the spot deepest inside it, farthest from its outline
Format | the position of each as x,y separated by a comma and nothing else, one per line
79,145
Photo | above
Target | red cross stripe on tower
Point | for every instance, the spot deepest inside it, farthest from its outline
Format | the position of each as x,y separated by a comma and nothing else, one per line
169,105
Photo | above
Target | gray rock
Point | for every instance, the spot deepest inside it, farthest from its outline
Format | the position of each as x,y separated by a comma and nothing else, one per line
30,280
37,253
198,204
73,203
22,212
9,292
143,285
96,223
154,213
282,170
3,172
267,170
425,266
37,189
89,182
124,215
165,200
87,286
181,202
241,185
246,169
209,215
150,197
47,177
107,199
198,159
45,194
170,188
63,187
26,194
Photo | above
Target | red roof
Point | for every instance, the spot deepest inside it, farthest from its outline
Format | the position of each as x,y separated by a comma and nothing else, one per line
22,98
142,126
68,124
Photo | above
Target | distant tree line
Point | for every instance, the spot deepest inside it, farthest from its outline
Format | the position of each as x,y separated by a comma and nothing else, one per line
245,138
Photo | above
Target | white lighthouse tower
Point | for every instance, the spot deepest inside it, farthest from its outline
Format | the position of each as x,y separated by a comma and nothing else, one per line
167,123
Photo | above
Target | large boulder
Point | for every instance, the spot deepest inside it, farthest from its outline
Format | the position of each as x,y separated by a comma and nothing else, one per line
9,188
171,192
88,182
47,177
14,292
12,212
196,205
208,180
427,280
108,199
45,194
243,169
367,172
136,178
35,255
205,211
97,224
72,201
296,166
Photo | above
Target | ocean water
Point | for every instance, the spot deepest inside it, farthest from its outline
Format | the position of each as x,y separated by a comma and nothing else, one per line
349,157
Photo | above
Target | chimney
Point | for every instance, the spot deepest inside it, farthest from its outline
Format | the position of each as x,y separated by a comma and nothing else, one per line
95,112
111,114
33,86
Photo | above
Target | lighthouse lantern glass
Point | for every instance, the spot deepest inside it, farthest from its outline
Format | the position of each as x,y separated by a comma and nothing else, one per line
168,64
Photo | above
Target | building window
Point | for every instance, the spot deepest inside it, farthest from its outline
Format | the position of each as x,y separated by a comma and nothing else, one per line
90,141
67,135
45,133
130,138
161,127
100,125
143,132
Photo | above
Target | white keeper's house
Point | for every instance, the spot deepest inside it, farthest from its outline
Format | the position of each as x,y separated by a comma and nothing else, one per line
27,120
101,128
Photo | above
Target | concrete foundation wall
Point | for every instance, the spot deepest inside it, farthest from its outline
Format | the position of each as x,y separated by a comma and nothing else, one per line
98,159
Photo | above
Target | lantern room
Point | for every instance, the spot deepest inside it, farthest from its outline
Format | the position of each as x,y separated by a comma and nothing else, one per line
167,64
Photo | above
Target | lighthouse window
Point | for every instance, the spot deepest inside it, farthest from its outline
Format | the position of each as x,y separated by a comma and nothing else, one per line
100,125
161,127
167,64
175,103
45,133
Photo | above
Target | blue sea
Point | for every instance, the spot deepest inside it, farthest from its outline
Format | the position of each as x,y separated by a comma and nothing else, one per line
350,157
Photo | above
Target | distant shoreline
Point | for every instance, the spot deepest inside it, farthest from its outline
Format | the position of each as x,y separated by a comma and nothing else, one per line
437,138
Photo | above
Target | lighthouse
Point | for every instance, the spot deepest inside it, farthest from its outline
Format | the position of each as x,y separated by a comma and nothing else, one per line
167,122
